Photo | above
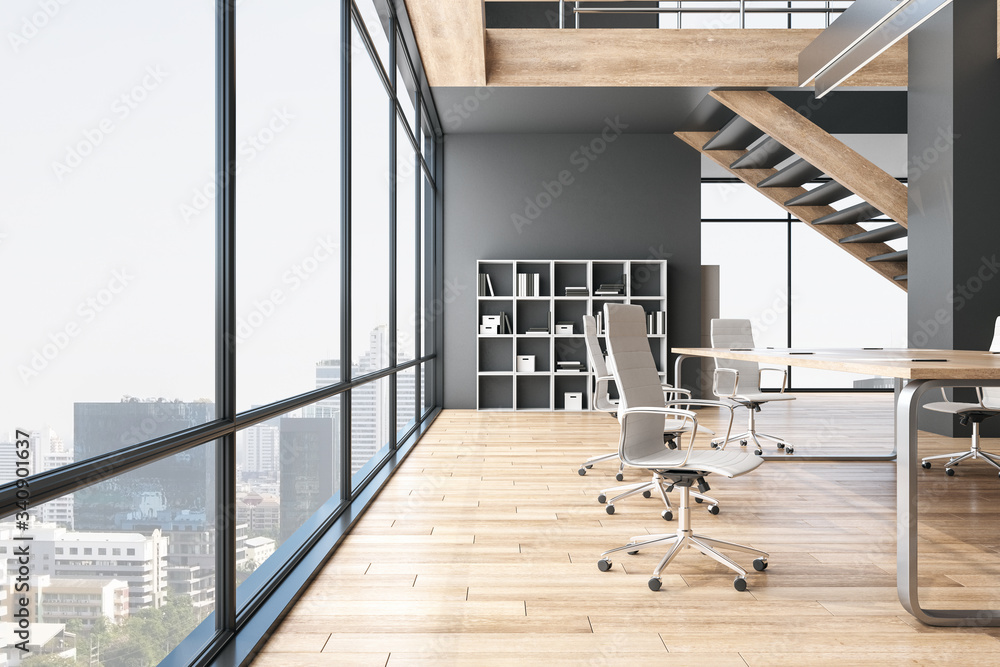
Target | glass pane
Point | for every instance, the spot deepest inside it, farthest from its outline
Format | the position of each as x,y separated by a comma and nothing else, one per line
404,93
427,395
369,422
406,242
858,309
106,229
405,401
136,573
377,29
738,201
760,249
288,197
370,118
290,467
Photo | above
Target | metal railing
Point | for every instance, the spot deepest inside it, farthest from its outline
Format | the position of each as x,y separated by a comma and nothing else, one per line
735,8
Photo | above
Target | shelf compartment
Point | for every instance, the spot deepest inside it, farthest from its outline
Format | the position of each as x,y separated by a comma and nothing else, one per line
496,354
569,383
543,269
570,349
608,272
646,280
539,347
496,392
532,313
501,277
569,311
533,392
570,274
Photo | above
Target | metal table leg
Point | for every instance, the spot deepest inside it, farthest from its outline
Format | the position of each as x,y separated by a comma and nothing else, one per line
906,511
797,456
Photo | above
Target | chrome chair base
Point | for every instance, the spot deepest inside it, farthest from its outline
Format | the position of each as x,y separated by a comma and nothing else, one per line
753,434
646,489
975,452
686,537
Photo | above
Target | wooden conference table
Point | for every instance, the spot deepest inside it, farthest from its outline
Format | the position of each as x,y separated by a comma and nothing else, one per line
916,371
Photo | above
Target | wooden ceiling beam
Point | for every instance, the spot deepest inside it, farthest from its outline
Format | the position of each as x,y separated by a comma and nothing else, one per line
450,35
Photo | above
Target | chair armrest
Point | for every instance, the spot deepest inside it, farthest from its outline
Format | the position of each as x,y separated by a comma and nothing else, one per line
715,382
714,404
674,391
784,376
666,412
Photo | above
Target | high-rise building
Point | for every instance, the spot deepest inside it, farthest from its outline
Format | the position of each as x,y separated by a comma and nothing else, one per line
310,468
262,443
184,480
49,453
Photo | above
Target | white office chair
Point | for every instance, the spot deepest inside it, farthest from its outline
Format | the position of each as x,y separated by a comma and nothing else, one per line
672,428
988,406
740,381
641,414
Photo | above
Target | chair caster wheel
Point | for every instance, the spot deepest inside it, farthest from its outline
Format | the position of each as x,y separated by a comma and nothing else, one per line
699,500
740,584
654,584
610,509
667,515
620,477
950,472
604,565
926,465
760,564
647,494
758,452
602,498
672,445
589,467
582,471
631,553
713,509
743,443
781,445
713,445
789,450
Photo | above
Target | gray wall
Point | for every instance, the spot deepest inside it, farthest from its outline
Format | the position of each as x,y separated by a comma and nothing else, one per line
954,94
639,199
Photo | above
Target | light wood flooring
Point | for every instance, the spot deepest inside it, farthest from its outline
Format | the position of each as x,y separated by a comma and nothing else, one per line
483,549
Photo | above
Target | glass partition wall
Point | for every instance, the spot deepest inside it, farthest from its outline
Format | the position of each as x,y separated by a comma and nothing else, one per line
217,255
796,288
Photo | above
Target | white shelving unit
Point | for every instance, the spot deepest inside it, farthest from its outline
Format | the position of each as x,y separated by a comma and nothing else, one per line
498,385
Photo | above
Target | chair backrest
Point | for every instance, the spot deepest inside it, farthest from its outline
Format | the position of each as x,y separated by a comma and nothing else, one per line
730,334
601,399
991,395
637,378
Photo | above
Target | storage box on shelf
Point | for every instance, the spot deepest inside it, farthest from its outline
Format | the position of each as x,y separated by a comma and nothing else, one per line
535,308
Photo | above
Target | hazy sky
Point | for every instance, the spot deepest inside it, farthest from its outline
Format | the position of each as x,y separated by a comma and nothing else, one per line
107,202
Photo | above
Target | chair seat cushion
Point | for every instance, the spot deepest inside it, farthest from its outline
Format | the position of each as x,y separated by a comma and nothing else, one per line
731,462
762,397
959,408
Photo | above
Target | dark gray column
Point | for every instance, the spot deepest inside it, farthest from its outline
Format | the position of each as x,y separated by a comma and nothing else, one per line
954,141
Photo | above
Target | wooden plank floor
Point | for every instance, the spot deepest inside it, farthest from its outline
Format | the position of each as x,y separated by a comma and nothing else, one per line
483,549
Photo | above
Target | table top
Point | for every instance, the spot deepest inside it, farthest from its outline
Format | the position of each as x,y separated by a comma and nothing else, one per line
908,364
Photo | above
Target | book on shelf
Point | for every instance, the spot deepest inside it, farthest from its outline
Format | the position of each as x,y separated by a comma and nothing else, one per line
577,291
505,325
529,284
569,366
538,331
485,285
656,322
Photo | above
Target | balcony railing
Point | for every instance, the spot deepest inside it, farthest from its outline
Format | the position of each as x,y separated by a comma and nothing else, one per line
716,13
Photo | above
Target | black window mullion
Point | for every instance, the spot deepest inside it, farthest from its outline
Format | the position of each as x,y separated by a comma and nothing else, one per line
393,342
345,247
225,313
418,321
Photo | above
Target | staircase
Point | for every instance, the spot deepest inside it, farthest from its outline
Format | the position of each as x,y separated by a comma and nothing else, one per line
766,133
